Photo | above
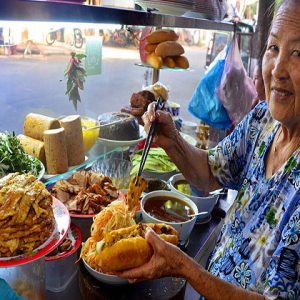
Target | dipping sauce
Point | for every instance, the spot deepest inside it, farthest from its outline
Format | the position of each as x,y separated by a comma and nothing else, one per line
183,186
168,209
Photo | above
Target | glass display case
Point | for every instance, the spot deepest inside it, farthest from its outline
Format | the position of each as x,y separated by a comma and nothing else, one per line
38,37
36,40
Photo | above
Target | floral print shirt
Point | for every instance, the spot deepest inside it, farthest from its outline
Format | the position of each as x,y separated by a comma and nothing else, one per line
259,246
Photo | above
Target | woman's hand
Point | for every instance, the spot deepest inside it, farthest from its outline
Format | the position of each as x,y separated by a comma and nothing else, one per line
166,132
166,260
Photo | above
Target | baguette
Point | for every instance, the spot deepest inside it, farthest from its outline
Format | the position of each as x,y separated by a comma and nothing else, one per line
154,60
181,62
127,248
169,62
162,35
169,49
150,47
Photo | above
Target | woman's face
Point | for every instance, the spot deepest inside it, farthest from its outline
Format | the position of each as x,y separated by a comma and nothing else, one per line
281,66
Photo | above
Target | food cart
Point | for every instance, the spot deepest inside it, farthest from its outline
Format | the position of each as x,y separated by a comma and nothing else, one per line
83,285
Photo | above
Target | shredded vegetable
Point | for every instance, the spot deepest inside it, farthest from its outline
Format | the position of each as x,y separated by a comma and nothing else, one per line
113,217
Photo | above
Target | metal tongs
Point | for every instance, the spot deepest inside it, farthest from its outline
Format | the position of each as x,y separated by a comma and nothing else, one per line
149,138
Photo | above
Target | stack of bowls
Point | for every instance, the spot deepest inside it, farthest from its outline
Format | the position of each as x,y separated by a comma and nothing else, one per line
204,202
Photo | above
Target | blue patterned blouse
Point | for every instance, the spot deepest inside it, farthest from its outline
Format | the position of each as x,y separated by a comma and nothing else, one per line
258,248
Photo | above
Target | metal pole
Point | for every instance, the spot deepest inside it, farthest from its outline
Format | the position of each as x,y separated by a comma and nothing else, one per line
265,17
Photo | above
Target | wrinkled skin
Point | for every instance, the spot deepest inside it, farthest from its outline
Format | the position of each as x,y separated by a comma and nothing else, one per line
159,265
166,132
281,65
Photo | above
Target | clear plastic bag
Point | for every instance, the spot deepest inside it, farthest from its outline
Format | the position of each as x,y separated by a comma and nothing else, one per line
205,103
236,90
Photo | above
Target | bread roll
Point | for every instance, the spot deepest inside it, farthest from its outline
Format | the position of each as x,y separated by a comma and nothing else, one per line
169,49
169,62
154,60
127,248
181,62
36,124
74,139
150,47
33,147
56,151
162,35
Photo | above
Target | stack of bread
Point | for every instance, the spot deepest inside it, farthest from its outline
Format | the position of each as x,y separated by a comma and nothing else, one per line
58,144
164,50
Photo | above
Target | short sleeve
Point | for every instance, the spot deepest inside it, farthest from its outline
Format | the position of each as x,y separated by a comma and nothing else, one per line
229,160
282,276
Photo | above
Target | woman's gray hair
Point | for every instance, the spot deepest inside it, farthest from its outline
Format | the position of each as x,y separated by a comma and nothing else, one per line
282,2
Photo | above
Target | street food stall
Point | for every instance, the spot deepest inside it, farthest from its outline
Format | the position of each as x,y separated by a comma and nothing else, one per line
85,165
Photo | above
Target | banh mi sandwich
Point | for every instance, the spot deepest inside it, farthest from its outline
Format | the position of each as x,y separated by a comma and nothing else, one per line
127,248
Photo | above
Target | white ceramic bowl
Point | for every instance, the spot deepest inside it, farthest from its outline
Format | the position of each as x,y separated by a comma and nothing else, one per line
106,278
183,228
203,203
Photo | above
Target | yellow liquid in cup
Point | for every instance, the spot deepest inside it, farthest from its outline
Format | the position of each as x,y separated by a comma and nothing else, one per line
89,136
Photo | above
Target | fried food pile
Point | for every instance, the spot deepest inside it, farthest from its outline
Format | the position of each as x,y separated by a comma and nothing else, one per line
26,214
85,192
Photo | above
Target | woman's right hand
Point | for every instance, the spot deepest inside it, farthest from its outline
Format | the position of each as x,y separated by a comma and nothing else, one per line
166,132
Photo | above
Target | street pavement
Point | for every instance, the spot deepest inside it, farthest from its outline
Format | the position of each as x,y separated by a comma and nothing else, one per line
36,83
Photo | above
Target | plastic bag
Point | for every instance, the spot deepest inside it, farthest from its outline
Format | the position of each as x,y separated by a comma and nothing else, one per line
236,90
205,103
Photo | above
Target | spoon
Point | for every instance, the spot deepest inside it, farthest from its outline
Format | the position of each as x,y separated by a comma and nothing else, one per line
91,128
84,127
198,214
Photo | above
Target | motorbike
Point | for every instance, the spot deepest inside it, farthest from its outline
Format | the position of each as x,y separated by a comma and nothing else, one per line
125,36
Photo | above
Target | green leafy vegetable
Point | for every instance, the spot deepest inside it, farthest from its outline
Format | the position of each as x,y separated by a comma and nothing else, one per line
75,74
157,161
13,157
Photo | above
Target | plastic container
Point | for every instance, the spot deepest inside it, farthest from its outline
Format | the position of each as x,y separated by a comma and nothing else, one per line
84,223
28,280
61,268
189,128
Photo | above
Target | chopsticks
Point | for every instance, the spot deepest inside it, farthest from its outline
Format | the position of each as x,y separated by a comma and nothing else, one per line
150,137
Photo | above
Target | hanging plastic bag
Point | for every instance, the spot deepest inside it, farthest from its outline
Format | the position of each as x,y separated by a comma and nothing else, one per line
236,90
205,103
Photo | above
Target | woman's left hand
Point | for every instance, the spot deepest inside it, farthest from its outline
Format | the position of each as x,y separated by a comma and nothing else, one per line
166,260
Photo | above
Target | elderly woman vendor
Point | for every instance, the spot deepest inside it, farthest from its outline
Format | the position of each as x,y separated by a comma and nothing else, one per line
257,255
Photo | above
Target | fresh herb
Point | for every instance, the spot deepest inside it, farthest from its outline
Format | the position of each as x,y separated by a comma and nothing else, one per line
157,161
75,74
13,157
